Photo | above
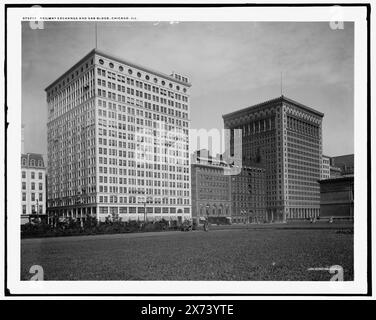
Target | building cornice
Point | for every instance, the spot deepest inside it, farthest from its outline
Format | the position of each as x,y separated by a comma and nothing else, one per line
270,103
118,59
70,70
137,66
338,179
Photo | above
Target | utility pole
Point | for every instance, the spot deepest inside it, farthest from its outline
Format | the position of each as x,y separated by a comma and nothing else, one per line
38,210
281,85
96,36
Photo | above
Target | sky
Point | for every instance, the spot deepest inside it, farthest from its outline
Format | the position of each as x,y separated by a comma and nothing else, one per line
231,65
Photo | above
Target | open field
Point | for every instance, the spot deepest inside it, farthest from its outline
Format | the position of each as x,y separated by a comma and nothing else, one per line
253,252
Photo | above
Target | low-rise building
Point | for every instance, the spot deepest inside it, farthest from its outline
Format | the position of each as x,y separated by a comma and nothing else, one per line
211,191
224,195
337,197
345,163
334,167
33,186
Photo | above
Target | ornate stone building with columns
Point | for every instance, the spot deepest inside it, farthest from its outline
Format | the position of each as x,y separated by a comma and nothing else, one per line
284,136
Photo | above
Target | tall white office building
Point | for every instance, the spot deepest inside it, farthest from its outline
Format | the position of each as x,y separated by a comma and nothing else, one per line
118,141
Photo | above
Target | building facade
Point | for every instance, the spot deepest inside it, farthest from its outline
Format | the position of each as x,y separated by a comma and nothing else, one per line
284,136
33,186
211,191
325,169
224,197
345,163
334,167
248,195
335,172
118,141
337,197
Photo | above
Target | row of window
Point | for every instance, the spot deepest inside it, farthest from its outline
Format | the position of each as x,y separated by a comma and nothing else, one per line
70,77
141,209
302,127
32,186
33,209
141,85
139,75
32,175
131,101
132,200
33,196
32,163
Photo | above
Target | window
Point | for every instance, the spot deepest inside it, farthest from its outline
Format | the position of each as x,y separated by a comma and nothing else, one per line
121,68
111,65
40,175
130,71
33,186
32,175
23,185
40,186
32,196
24,209
41,197
139,74
23,174
101,61
23,196
147,77
33,208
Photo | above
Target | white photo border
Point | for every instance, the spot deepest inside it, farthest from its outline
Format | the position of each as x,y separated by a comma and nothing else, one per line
360,285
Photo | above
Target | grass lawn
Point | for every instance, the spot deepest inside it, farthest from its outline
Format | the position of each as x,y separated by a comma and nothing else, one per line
238,253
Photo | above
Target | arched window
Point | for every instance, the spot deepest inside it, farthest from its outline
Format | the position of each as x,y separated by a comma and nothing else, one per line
32,162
